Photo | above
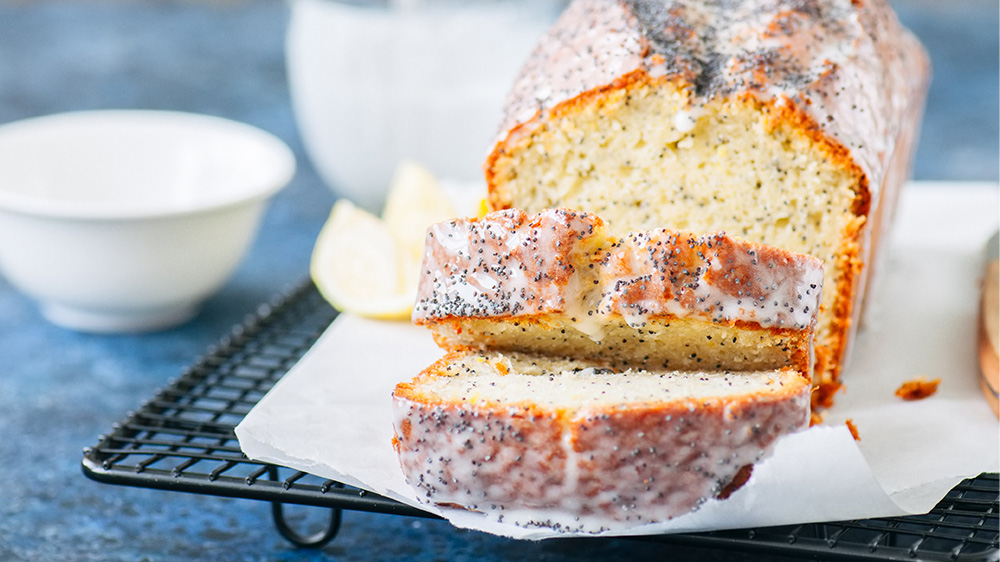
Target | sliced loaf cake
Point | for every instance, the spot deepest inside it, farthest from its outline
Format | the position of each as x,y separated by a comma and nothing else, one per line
786,122
596,382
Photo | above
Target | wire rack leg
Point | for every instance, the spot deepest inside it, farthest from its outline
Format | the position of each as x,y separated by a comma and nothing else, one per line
314,540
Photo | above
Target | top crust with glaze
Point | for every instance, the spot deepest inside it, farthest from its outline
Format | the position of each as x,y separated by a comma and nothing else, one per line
846,68
510,264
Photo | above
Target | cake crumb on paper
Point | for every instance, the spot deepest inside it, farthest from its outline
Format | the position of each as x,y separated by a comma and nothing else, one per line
918,388
853,429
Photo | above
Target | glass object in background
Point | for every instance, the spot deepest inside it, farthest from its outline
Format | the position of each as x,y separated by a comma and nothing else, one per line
374,83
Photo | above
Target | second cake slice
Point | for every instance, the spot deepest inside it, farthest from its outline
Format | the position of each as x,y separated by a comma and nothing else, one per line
557,283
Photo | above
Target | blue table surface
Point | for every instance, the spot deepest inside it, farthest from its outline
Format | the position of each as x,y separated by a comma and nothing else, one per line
60,389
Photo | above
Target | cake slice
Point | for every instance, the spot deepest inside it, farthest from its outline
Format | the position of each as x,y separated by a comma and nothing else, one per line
558,283
575,446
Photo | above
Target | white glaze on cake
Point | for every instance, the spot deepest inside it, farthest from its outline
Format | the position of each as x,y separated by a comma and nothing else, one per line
560,262
506,264
665,273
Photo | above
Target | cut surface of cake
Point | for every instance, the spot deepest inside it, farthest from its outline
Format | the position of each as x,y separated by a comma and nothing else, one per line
572,445
785,122
558,283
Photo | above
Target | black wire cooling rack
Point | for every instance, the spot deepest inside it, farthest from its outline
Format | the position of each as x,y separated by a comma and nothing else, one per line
183,439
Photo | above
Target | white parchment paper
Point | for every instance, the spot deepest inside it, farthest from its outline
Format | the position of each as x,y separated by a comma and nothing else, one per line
331,414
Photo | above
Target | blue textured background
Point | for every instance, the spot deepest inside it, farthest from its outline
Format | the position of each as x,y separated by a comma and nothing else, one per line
59,390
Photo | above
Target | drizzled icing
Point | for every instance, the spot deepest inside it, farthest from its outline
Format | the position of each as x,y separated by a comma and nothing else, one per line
505,264
561,262
710,276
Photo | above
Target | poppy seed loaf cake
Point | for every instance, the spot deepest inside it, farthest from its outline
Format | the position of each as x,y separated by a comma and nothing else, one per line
596,382
559,283
569,445
786,122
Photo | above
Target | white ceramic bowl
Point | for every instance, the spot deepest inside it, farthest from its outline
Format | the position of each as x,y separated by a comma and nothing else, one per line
121,221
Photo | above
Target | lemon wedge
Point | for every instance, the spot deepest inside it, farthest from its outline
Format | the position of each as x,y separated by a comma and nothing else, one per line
483,208
415,201
357,267
369,266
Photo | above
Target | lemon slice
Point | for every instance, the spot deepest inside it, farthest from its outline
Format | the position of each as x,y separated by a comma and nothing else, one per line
415,201
370,266
483,208
357,267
